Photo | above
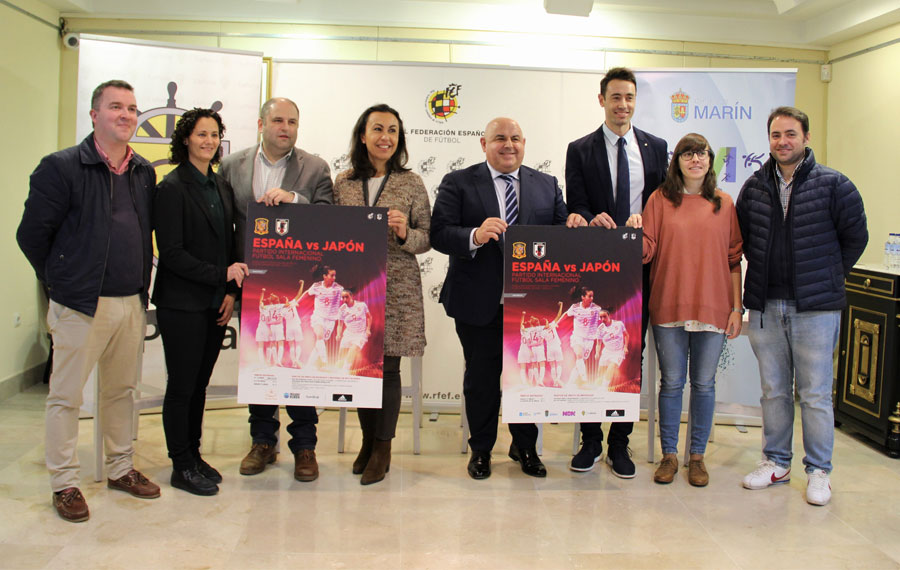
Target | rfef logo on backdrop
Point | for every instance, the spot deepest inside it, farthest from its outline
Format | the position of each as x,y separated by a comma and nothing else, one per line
442,104
680,101
427,166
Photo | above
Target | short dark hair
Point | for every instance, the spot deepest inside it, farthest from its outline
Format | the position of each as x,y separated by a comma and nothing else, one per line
178,150
359,156
792,112
267,106
622,73
577,292
321,270
98,91
673,186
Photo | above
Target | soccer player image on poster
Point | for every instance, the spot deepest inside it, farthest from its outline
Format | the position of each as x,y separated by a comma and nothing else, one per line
312,319
571,324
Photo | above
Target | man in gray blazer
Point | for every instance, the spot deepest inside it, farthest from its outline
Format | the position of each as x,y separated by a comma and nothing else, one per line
276,172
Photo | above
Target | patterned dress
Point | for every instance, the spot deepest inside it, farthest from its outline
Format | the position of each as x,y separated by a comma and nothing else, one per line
404,314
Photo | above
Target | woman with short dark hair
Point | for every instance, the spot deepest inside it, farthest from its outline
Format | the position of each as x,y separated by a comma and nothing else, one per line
197,281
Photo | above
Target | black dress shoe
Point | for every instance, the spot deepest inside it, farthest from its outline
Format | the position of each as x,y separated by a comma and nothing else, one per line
480,465
528,458
192,481
208,471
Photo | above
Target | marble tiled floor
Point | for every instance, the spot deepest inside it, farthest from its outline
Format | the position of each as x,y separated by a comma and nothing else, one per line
427,513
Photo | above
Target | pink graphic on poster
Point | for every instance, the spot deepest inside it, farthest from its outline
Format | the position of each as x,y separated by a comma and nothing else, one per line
571,324
312,318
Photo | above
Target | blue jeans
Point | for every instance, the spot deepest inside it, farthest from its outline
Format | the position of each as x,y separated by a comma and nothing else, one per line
673,346
791,345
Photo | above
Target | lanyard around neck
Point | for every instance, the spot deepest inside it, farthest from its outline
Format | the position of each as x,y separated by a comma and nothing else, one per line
377,194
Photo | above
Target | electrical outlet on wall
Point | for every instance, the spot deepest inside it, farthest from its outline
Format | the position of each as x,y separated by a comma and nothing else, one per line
17,319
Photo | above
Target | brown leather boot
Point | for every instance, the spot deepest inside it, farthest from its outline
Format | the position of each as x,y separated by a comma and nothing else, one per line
667,469
261,454
359,464
379,463
697,475
306,468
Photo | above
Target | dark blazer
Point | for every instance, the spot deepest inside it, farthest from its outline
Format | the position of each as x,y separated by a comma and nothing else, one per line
473,285
589,185
189,242
306,174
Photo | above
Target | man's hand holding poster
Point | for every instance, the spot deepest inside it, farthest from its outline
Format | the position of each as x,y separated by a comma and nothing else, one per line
312,318
571,324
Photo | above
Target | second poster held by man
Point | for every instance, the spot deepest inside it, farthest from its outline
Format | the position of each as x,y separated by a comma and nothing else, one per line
571,325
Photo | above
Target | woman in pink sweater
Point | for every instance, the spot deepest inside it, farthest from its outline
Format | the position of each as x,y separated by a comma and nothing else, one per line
693,243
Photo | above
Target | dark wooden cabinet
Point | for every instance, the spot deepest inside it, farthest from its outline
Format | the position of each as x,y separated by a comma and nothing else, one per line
867,386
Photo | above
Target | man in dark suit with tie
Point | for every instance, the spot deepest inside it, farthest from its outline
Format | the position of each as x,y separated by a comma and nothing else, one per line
610,173
473,209
276,172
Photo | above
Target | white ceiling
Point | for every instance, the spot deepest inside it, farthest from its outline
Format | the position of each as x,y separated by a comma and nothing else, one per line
815,24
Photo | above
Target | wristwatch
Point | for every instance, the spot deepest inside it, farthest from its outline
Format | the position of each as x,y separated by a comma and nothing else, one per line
741,310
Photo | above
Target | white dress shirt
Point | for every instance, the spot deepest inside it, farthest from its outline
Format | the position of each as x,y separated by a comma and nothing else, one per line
268,175
500,190
635,166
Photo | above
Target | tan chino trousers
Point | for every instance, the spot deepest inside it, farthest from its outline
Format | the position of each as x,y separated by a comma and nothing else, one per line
113,341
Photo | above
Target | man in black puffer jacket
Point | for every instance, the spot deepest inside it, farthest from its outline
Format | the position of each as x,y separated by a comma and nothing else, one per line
804,227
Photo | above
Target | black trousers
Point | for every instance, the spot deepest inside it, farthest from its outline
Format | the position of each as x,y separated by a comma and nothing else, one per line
619,431
483,351
382,423
191,342
264,425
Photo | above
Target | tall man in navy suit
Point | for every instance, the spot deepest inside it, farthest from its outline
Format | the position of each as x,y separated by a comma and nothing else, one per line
605,194
472,211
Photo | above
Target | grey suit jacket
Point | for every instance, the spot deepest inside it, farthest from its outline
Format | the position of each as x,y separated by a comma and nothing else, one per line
306,175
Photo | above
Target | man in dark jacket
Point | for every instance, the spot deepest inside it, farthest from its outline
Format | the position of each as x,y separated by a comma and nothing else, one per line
276,172
804,227
606,195
473,210
86,232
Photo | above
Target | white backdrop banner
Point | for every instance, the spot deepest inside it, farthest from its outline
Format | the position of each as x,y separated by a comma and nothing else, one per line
445,110
168,80
729,107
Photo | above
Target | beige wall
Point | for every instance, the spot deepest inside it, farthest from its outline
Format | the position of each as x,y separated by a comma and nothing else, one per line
452,46
29,91
863,119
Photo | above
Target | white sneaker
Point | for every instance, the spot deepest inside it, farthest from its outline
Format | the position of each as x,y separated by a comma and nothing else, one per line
818,488
766,473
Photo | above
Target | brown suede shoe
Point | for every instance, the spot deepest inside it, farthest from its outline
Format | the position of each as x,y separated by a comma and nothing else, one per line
697,475
305,467
70,505
135,484
667,469
261,454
